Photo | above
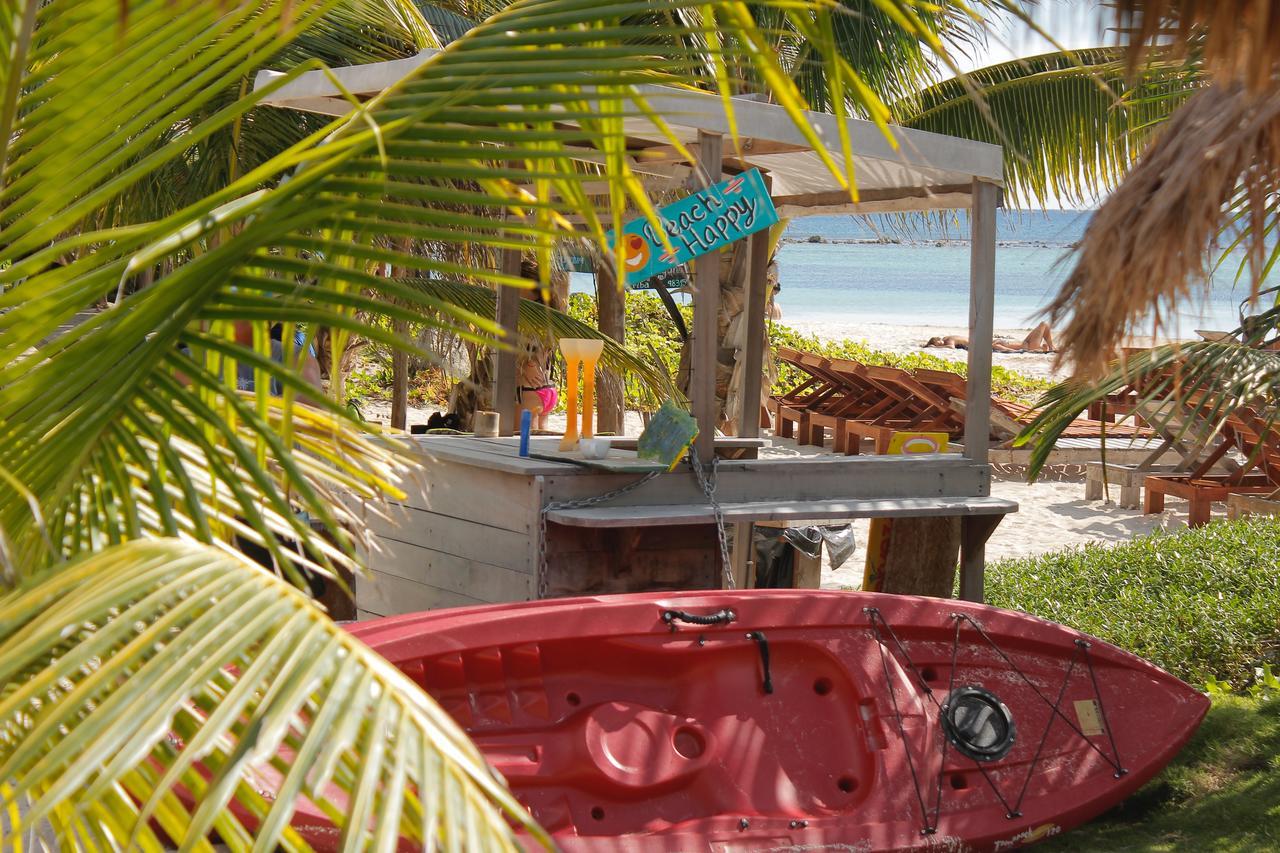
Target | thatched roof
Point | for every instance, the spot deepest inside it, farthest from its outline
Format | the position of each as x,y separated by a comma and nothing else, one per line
1147,246
1216,162
1238,39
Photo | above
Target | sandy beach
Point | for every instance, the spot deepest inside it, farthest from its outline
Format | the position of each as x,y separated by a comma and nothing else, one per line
904,339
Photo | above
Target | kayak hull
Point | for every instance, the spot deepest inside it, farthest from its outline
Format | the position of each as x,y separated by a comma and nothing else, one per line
801,719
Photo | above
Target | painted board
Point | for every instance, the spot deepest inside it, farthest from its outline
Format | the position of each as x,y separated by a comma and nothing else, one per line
699,223
880,534
668,436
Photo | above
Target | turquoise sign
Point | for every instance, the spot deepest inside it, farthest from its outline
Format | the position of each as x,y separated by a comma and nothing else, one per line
672,279
695,225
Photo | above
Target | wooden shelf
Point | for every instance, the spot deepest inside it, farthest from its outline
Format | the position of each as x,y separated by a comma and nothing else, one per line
652,516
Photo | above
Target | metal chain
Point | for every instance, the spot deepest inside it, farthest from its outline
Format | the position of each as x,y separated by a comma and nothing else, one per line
579,503
708,486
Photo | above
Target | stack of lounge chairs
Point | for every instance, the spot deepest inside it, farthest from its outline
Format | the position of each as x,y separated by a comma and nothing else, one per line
851,401
1249,433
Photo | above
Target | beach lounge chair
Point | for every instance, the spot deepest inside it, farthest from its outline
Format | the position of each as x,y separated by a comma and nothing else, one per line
1009,418
854,401
907,405
1244,430
819,392
791,411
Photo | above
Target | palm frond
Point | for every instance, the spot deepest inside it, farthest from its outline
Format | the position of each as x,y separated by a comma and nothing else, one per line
443,156
541,321
169,674
168,681
1214,161
1185,386
1072,123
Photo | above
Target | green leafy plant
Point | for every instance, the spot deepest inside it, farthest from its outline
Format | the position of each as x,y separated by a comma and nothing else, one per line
1201,603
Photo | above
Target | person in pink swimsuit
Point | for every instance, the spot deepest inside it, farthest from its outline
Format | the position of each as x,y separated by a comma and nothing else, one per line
537,393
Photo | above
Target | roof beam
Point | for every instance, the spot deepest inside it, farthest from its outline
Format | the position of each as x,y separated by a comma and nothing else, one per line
829,199
751,147
705,111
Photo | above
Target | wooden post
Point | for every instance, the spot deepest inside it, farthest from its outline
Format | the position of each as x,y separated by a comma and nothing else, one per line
706,310
611,305
982,286
399,379
504,374
753,353
975,530
977,407
399,358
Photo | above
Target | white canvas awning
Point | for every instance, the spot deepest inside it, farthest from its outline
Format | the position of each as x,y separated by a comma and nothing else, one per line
916,171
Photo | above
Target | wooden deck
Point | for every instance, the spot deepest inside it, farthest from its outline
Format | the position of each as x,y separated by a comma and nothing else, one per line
470,528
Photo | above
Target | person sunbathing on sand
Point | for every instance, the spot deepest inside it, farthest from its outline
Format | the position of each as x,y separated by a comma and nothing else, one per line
1039,339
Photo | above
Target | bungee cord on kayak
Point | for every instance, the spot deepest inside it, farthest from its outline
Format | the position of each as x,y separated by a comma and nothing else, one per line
956,732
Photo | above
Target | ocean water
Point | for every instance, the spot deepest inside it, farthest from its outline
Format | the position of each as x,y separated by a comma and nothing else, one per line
882,270
922,276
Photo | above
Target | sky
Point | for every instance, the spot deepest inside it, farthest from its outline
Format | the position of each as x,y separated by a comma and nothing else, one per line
1073,23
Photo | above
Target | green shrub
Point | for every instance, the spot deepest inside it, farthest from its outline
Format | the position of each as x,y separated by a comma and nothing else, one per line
1202,603
1005,383
651,334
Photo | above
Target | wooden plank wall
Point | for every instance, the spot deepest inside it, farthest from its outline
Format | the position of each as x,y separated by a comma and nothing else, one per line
462,536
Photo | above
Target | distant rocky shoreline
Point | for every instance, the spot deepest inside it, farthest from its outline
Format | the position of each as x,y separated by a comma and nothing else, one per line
906,241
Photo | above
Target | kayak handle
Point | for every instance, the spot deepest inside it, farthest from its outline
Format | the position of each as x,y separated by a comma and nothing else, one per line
720,617
767,680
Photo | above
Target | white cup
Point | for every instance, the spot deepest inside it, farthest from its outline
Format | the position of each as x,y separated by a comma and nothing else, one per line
594,448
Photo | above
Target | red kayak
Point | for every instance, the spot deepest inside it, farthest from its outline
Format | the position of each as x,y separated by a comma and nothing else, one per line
764,719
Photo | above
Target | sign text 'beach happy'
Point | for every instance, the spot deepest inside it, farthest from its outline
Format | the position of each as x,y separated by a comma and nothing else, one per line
695,225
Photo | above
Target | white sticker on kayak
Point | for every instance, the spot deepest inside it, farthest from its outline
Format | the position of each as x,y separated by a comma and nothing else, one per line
1088,717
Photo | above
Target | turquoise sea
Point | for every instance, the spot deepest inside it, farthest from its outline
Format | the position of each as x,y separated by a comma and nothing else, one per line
924,279
879,270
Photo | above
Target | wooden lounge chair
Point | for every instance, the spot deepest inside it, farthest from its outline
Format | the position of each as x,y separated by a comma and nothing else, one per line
1009,418
906,404
853,401
1244,430
857,397
791,411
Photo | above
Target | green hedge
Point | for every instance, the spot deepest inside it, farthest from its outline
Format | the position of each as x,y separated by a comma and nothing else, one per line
1202,603
651,334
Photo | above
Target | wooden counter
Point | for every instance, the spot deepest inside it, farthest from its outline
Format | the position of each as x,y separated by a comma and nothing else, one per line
470,529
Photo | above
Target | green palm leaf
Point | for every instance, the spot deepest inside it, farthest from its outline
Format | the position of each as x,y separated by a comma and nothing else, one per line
1072,123
1183,385
441,157
164,680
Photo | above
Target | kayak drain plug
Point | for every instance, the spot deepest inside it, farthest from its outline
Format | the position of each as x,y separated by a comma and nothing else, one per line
759,637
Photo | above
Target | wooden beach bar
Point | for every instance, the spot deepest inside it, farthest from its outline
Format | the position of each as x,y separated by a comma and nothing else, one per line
481,523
